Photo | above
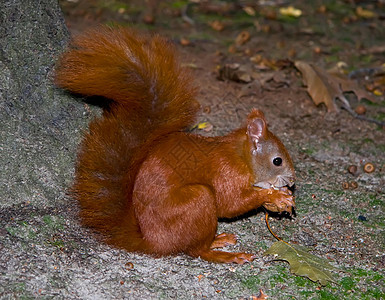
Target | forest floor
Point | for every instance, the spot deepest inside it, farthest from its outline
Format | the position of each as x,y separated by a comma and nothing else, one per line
244,56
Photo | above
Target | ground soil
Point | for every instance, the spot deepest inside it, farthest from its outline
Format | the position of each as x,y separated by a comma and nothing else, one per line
340,215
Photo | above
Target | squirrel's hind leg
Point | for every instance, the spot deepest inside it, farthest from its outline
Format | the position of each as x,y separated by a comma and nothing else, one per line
177,220
184,221
223,240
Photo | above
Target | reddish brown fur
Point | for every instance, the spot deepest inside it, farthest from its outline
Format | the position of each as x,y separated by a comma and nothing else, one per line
140,181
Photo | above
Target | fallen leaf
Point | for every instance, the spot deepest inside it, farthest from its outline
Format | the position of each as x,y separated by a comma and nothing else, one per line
290,11
261,296
242,38
324,87
263,63
203,125
249,10
302,263
321,91
365,13
184,42
235,72
217,25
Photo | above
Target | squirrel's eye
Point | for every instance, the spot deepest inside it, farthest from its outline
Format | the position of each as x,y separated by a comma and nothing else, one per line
277,161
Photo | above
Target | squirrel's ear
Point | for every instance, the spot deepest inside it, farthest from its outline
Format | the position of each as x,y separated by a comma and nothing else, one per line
256,126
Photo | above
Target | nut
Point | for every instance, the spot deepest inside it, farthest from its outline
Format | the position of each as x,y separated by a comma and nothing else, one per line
352,169
184,42
369,168
207,109
360,110
354,185
345,185
129,266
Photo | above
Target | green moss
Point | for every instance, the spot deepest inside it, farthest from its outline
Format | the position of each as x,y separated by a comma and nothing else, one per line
179,4
335,49
332,58
282,274
57,243
347,283
374,294
32,234
307,294
367,58
11,230
19,287
380,116
301,281
53,222
376,200
261,245
378,277
367,140
326,295
373,104
339,8
252,283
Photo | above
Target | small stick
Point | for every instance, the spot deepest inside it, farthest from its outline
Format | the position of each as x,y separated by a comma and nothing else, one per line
346,105
268,227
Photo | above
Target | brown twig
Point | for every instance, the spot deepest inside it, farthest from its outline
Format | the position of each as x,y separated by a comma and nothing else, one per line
268,226
346,105
271,231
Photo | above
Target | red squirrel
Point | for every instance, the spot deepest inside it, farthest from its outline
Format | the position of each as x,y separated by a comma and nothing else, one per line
141,180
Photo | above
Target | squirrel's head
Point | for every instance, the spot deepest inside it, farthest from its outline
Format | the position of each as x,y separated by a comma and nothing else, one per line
270,161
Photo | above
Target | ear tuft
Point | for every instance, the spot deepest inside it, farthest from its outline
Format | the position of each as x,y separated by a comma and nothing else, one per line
256,126
256,113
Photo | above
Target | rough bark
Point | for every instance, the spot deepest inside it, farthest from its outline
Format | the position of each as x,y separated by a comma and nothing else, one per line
39,125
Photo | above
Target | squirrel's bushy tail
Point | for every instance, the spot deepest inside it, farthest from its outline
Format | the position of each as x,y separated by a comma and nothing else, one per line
134,70
152,95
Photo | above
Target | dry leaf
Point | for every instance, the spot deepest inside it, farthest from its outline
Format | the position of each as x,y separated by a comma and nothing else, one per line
203,125
365,13
303,263
324,87
217,25
184,42
290,11
249,10
264,63
261,296
235,72
242,38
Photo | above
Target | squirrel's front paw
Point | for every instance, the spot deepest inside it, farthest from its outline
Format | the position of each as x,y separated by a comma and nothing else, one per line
279,201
